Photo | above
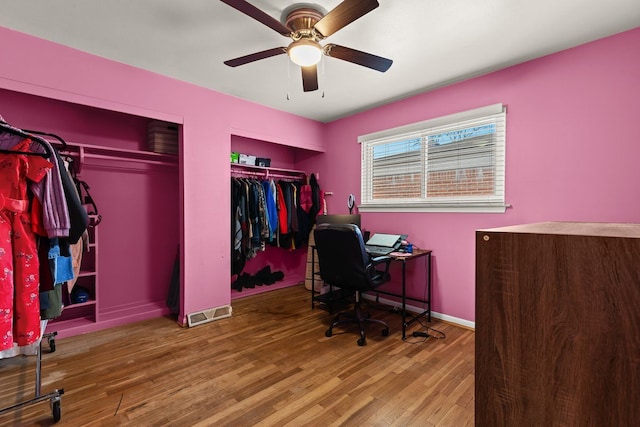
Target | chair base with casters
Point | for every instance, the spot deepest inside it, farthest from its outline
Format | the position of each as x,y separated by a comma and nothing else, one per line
356,316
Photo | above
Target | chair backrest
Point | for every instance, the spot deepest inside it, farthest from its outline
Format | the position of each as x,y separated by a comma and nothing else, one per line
342,256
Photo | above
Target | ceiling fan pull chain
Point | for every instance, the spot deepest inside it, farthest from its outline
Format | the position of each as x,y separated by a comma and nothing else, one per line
322,80
288,79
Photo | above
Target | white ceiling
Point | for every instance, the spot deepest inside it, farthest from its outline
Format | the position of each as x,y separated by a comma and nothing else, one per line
432,43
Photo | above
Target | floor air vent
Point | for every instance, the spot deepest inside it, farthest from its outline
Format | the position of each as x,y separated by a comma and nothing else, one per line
209,315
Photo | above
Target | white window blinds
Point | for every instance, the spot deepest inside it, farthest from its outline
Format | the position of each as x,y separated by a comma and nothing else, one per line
452,163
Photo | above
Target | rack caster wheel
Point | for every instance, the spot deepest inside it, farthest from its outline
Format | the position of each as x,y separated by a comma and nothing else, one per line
56,410
52,345
385,332
328,333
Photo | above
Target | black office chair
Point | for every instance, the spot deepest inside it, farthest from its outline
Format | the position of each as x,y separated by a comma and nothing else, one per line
345,263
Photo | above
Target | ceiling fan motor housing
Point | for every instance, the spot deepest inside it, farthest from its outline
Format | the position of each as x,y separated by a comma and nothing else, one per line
302,20
305,49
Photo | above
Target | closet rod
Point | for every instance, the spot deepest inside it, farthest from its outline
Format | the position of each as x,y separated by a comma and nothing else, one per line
111,153
267,175
125,159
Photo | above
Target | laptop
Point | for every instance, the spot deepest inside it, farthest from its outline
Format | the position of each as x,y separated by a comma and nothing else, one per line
383,244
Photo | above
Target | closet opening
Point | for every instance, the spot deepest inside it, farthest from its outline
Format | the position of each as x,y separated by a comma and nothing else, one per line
272,260
136,189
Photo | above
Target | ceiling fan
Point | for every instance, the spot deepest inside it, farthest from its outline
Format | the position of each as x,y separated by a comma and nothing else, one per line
307,27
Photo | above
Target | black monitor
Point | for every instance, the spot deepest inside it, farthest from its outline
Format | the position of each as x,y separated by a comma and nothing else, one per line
339,219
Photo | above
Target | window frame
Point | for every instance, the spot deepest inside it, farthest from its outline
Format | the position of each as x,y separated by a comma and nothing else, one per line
490,204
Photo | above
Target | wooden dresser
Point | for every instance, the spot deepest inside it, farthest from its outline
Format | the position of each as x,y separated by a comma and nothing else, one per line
558,325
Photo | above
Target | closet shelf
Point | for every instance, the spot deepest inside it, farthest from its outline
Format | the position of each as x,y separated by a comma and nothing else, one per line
83,151
83,273
80,317
80,304
265,172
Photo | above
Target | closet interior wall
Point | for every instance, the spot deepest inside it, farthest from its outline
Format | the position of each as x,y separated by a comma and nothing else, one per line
138,201
291,262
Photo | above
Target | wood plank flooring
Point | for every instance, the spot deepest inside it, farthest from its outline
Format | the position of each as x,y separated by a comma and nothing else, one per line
267,365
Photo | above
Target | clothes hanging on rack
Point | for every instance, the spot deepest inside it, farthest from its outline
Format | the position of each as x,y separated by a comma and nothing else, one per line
54,218
41,219
250,224
19,276
317,199
272,210
20,133
49,191
266,212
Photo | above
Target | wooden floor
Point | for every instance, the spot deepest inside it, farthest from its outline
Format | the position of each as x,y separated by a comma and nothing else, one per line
269,365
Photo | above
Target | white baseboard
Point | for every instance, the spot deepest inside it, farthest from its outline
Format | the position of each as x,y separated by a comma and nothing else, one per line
450,319
455,320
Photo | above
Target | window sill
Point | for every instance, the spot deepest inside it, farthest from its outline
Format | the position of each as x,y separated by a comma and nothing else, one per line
452,208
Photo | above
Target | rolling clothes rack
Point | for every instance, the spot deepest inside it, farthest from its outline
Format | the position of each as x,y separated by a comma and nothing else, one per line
54,397
44,149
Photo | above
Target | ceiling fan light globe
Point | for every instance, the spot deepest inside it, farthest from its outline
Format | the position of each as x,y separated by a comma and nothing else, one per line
305,52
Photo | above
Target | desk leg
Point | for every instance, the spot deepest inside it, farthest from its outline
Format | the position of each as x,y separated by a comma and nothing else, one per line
404,302
429,286
313,277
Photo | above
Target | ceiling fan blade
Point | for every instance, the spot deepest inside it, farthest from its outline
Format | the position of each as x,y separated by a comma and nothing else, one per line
310,78
365,59
255,56
344,14
258,15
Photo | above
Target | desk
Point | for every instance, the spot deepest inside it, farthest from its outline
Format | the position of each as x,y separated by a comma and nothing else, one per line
404,259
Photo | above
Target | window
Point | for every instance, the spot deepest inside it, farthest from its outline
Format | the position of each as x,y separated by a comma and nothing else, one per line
453,163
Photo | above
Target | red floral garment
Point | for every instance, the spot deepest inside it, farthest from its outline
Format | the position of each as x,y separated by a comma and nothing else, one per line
19,277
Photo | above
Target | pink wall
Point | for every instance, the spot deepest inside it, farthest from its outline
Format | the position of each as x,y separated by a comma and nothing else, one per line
580,105
47,69
572,154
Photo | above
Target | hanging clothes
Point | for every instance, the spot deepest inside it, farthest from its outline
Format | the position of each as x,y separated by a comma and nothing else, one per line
238,255
272,210
304,222
283,224
50,190
19,275
316,199
54,221
265,212
288,204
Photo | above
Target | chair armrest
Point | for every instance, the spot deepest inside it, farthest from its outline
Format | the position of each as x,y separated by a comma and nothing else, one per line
381,260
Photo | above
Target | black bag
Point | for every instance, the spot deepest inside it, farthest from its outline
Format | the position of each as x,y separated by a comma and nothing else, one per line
87,200
83,193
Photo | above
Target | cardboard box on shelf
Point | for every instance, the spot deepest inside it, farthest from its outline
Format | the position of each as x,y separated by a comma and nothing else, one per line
246,159
162,137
